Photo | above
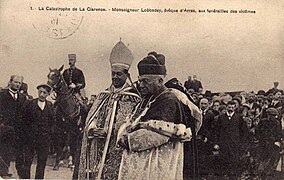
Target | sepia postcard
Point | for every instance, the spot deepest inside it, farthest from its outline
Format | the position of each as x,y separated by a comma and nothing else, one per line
229,45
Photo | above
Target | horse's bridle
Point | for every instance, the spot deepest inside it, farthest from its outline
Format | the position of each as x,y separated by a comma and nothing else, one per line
57,87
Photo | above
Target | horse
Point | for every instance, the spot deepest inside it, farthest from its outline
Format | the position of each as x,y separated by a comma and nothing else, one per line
68,117
65,99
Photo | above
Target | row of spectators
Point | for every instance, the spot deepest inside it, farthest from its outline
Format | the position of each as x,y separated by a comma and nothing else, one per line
260,140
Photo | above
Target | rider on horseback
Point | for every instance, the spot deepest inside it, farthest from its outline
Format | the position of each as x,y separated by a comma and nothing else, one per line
71,109
75,79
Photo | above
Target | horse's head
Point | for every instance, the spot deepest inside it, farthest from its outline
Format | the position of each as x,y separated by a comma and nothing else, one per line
54,77
68,106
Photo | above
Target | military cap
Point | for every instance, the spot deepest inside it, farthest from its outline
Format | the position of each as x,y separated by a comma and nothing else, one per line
72,56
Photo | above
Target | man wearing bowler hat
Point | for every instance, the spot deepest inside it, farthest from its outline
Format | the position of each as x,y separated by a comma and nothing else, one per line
38,116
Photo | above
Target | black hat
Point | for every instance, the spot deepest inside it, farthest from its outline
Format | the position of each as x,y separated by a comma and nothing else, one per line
237,99
174,83
45,86
153,64
207,93
261,92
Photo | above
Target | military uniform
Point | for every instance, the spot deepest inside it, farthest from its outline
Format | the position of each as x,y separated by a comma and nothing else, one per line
75,76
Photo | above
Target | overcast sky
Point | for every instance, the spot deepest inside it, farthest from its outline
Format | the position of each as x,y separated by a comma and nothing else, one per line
228,52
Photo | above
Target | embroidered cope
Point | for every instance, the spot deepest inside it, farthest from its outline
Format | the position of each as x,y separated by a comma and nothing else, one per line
99,117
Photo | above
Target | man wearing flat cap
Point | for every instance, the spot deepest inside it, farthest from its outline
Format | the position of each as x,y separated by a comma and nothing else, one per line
152,137
106,115
269,134
75,78
39,119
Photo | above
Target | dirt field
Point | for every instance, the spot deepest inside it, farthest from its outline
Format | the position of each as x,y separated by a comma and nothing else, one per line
63,173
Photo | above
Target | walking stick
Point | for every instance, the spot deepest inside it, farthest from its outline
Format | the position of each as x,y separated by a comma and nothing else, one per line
107,139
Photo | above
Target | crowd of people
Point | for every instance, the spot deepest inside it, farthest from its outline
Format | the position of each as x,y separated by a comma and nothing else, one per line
251,143
147,129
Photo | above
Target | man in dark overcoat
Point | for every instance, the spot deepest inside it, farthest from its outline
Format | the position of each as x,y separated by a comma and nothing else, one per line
205,137
39,119
230,137
12,135
269,134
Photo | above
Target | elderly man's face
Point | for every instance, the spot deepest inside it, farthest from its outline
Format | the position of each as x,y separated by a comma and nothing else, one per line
16,83
148,85
118,78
